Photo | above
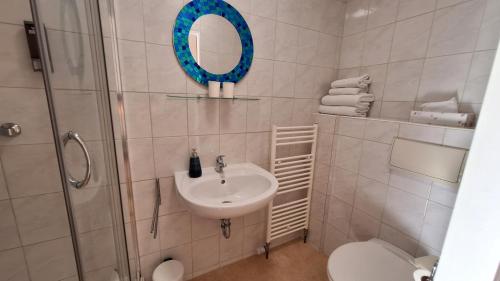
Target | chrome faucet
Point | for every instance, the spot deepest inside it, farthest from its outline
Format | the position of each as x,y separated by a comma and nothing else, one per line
219,164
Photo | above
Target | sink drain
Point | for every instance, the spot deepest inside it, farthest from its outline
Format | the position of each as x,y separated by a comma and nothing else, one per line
226,202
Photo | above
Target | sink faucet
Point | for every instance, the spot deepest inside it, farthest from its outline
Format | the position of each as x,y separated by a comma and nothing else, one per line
219,164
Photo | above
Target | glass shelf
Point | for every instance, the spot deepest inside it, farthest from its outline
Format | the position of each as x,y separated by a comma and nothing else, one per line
206,97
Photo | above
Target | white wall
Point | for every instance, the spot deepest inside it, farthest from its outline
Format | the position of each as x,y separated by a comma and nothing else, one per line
356,196
473,240
420,50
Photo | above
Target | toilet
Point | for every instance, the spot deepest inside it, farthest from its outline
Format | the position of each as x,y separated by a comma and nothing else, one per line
373,260
170,270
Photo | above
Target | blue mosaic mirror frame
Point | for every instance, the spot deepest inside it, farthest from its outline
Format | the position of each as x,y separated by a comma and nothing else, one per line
185,20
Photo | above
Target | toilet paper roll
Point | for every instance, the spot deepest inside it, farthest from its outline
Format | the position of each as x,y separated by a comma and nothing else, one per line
213,89
419,273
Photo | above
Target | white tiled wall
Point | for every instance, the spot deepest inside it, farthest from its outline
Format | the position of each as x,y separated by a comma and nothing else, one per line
420,50
357,197
296,52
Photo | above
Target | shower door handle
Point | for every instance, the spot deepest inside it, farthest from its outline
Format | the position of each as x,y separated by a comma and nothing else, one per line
76,137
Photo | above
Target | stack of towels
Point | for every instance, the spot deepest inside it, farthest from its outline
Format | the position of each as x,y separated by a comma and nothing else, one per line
348,97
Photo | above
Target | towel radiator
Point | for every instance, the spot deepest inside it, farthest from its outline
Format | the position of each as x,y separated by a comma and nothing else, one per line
294,173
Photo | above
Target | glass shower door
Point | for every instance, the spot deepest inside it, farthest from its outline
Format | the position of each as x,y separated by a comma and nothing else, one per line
71,46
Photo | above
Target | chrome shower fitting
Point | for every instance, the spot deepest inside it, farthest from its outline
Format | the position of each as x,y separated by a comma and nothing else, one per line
10,129
225,225
154,223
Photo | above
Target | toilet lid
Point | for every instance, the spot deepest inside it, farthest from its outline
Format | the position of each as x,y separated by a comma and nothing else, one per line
171,270
362,261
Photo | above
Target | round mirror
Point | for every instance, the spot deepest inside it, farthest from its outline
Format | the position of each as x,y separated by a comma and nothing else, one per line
212,41
215,44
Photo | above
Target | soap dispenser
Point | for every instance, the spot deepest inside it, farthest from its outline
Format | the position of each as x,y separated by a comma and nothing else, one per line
194,165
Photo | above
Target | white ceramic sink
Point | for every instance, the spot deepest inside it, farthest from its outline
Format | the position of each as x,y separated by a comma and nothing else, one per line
243,189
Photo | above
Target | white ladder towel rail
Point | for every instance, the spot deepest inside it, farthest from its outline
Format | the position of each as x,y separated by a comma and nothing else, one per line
293,173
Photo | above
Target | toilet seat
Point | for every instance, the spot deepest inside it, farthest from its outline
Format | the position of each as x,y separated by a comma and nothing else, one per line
373,260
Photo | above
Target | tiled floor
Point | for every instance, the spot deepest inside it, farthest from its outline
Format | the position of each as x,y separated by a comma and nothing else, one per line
294,261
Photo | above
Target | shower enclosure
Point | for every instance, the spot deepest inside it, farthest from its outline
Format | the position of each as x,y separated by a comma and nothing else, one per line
71,44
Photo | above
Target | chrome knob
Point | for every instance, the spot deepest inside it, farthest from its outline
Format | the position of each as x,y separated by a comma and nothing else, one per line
10,129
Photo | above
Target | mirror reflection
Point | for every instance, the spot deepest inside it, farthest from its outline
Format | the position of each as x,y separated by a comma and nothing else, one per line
215,44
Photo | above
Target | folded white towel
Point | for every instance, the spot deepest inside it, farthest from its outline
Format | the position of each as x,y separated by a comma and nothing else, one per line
355,82
346,91
347,100
343,110
443,118
450,105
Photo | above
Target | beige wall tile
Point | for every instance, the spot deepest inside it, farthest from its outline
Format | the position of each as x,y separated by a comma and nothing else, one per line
27,107
164,73
403,80
363,226
205,254
159,17
233,147
38,161
91,207
203,117
435,225
339,214
8,229
287,42
168,116
282,111
178,150
351,50
134,70
4,193
175,230
41,218
478,77
260,78
411,37
382,12
489,32
356,16
348,153
16,70
51,260
374,161
370,196
410,8
232,248
404,212
381,131
263,33
377,45
13,265
398,239
343,184
455,29
129,19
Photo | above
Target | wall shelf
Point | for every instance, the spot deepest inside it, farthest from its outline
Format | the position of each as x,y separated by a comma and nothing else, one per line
199,97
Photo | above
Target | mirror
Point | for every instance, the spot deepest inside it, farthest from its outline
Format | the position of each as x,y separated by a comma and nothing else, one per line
215,44
212,42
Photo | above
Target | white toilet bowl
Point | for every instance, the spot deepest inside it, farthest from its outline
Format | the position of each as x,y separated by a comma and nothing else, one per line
171,270
374,260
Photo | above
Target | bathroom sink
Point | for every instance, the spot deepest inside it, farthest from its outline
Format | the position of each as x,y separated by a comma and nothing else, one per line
240,190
